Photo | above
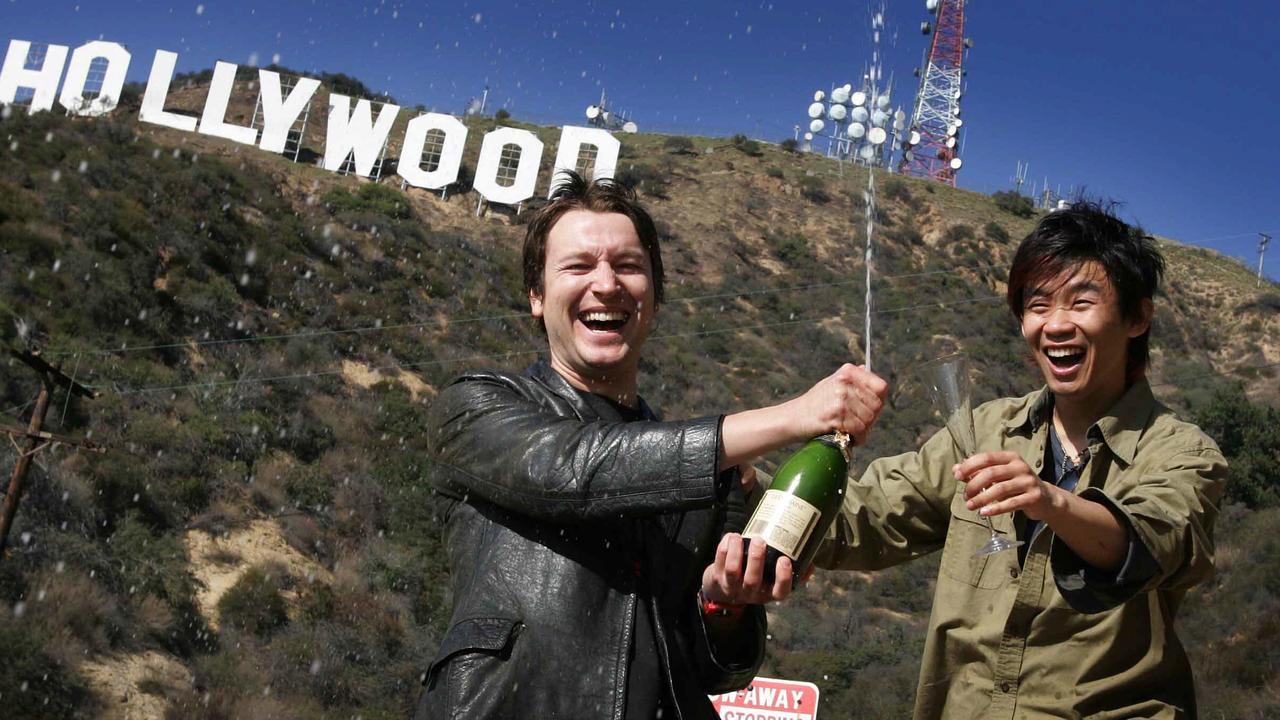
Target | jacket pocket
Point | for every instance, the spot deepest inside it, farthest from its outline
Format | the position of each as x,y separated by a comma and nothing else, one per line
471,657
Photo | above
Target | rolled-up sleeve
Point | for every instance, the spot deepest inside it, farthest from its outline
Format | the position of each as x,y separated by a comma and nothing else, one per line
1168,510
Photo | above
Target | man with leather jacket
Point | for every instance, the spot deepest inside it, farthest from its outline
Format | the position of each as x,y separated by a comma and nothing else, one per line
593,574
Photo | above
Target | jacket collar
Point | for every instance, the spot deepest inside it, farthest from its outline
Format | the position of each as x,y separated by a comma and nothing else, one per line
1120,427
542,371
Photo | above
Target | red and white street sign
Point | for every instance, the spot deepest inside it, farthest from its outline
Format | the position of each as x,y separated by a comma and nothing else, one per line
769,699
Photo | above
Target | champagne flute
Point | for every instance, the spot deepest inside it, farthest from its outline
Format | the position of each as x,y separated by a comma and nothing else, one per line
948,381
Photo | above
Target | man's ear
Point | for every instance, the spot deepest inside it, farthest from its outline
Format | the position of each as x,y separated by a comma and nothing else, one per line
535,304
1143,321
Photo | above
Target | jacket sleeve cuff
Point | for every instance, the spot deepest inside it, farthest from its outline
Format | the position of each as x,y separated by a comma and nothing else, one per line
1091,590
727,657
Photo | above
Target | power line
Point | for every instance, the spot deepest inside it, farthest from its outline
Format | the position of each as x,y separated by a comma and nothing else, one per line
490,318
533,351
1185,378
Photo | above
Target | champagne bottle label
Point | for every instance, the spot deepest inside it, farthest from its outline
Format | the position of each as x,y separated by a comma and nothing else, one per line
784,521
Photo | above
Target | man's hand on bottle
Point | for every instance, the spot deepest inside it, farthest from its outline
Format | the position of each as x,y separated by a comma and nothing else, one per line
738,578
848,400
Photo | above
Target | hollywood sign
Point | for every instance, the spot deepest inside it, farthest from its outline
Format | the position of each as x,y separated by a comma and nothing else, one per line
351,132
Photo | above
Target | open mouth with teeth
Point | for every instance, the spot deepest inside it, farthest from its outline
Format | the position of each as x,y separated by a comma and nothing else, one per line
1065,358
604,320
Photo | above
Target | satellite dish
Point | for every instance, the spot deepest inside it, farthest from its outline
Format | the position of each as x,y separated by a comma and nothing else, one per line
925,28
951,130
630,127
858,98
819,96
882,102
915,138
808,136
908,155
593,112
815,110
606,115
867,152
839,95
876,135
899,116
951,142
838,112
931,5
857,130
958,122
860,114
879,118
816,125
956,163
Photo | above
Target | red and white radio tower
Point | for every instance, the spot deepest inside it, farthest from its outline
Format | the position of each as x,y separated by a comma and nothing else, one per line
932,143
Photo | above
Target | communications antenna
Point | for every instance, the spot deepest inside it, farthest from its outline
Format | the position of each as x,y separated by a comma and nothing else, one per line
1020,177
930,151
1262,251
602,116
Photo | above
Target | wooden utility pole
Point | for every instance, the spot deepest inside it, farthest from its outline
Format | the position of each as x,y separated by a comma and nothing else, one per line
33,438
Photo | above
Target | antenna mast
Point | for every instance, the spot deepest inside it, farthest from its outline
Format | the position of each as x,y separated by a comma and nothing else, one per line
1020,177
930,151
1262,251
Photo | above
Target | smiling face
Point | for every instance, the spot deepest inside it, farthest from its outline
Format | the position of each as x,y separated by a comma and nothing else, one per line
1079,338
597,301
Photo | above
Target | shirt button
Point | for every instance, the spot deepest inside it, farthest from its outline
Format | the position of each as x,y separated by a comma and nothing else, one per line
1004,687
1013,573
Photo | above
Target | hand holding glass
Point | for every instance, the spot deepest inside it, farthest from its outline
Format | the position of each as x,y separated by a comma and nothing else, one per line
948,381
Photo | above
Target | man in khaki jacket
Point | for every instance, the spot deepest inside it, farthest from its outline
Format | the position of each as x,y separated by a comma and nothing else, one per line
1113,497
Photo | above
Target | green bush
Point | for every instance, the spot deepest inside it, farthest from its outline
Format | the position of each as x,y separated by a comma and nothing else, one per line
254,603
774,171
745,145
790,248
643,178
678,144
814,189
502,114
1013,203
1249,437
33,685
791,145
369,198
895,188
958,233
995,231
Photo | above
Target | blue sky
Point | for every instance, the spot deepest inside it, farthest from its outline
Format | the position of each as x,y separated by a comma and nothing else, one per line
1163,105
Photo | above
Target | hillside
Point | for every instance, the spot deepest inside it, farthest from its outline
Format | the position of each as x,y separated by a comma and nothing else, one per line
258,539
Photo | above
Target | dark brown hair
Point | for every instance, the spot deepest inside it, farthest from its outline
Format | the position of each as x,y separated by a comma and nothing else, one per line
1087,231
573,192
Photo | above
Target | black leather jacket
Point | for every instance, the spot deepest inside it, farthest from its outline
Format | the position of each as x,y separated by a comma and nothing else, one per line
558,522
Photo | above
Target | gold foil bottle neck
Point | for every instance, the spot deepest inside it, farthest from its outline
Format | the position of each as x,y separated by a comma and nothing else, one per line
845,443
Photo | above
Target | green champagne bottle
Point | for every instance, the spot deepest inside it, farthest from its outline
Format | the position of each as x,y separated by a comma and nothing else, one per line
800,504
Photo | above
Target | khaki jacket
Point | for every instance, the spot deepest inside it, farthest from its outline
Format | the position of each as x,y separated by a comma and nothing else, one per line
1049,637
